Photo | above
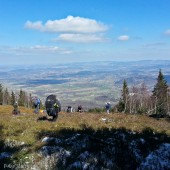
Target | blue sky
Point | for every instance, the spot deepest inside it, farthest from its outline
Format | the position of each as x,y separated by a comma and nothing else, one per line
61,31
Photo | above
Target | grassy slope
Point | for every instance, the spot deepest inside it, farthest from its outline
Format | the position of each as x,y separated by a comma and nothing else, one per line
25,127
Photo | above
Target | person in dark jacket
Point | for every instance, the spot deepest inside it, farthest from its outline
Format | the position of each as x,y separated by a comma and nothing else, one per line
80,108
108,107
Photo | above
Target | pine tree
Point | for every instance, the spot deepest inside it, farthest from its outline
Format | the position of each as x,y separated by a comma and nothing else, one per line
1,94
160,94
122,106
30,101
12,98
6,97
21,100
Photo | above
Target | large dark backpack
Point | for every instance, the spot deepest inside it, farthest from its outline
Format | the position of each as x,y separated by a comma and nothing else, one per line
50,104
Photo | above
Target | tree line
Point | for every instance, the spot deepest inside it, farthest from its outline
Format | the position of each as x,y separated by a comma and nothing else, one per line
139,100
9,98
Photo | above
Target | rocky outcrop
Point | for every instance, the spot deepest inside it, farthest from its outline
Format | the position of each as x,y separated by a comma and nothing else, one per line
119,150
158,159
98,150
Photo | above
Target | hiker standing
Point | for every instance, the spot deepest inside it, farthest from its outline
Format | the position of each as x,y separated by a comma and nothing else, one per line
16,110
69,109
36,105
108,107
80,108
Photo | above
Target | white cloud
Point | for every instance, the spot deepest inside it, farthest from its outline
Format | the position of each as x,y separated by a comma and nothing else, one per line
70,25
81,38
36,25
123,38
45,48
35,50
167,32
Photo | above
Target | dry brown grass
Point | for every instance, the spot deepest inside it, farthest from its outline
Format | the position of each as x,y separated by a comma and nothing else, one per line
25,127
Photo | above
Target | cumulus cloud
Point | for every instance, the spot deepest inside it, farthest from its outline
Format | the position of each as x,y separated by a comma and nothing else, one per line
81,38
167,32
123,38
70,24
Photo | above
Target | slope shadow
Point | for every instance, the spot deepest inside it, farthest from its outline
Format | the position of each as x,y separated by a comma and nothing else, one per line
99,149
8,149
157,116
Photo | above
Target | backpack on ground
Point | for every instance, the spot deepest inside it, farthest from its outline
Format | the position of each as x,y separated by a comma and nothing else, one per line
53,106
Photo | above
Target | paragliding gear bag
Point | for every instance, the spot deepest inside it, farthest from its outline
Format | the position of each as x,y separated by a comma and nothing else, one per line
52,105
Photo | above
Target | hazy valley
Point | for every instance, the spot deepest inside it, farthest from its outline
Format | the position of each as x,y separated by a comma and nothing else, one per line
90,84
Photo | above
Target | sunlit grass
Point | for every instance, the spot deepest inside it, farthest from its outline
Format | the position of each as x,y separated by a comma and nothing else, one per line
25,127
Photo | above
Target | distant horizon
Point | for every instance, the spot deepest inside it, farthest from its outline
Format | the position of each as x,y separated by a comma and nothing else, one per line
82,62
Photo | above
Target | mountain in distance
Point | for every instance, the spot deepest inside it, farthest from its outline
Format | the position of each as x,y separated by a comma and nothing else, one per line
90,84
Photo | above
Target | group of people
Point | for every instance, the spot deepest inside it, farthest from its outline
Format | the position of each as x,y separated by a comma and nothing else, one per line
80,108
53,106
70,109
36,103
